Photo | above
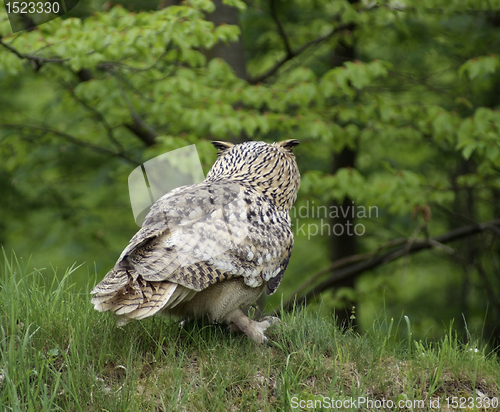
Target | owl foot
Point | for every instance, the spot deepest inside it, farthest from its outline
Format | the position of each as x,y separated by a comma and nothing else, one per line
254,330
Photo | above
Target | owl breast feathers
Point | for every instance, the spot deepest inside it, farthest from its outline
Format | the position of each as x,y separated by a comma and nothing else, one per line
209,249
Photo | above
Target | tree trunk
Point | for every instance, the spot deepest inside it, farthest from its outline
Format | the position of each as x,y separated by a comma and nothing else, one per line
233,53
344,245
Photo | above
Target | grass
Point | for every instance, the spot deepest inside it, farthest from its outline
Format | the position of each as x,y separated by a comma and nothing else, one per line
58,354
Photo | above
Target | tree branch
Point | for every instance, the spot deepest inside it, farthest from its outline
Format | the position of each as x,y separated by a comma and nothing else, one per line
403,250
281,30
74,140
345,261
292,54
138,127
26,56
145,132
97,115
142,132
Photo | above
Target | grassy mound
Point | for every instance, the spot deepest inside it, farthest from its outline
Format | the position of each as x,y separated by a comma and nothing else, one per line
57,353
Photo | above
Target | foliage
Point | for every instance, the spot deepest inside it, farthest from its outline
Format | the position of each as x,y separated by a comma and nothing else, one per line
84,100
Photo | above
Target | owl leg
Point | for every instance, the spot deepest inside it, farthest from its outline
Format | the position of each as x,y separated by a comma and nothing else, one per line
254,330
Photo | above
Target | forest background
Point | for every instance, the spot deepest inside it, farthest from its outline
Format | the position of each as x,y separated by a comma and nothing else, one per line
395,104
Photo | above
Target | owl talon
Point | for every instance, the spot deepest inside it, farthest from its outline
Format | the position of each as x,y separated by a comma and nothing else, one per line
254,330
273,320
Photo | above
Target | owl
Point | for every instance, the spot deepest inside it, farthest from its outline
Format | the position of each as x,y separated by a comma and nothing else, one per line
210,249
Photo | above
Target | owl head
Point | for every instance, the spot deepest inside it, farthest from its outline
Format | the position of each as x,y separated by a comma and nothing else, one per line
270,169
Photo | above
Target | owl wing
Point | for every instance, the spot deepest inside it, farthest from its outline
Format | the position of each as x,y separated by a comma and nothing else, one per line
263,254
202,234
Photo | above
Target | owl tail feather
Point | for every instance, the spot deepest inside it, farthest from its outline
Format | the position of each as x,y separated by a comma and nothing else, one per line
142,301
161,295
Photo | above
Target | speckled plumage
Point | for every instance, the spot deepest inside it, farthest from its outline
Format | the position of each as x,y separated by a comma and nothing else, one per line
208,249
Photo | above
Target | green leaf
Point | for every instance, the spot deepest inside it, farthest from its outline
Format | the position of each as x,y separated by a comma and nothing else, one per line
480,66
239,4
468,150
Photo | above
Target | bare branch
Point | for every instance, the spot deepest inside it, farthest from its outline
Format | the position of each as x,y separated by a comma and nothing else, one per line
345,261
438,245
372,263
494,229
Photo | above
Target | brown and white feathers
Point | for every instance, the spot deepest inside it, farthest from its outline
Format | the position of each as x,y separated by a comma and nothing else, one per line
207,249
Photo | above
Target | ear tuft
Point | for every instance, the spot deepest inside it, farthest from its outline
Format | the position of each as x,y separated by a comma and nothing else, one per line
222,146
288,144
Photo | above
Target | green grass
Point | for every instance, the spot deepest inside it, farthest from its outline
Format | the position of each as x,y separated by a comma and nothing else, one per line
57,353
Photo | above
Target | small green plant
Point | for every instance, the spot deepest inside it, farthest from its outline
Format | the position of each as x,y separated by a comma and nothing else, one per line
408,326
352,318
